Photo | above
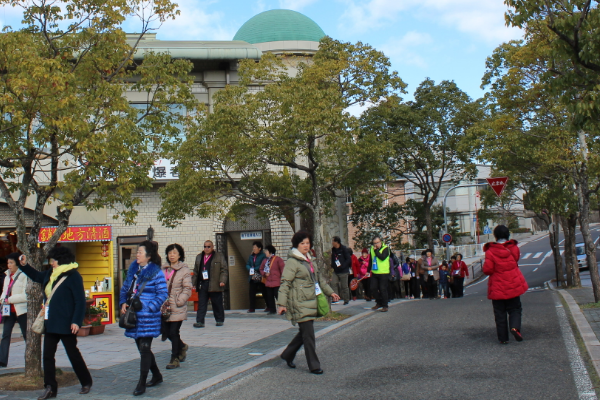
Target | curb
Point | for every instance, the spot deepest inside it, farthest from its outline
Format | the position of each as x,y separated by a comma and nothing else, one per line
226,377
585,330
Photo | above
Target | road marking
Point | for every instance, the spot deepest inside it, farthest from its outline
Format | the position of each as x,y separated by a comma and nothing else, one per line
538,255
526,256
535,269
562,252
585,389
548,254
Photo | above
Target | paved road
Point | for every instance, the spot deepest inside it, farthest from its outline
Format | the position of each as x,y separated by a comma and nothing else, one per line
437,349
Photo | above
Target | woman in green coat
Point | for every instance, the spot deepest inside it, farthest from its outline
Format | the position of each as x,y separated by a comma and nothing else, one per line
301,282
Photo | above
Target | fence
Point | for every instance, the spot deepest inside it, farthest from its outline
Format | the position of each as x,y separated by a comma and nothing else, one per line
467,251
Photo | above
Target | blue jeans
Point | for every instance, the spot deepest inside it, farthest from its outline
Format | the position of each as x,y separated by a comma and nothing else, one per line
444,286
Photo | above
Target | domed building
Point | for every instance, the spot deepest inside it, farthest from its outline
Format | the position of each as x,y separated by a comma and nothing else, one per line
281,31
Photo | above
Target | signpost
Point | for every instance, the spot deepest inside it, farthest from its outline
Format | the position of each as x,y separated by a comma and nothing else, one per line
447,238
498,184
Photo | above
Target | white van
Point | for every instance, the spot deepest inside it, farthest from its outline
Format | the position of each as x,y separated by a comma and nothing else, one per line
581,258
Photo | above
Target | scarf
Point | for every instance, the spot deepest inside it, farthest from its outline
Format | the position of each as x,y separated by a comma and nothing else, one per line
56,272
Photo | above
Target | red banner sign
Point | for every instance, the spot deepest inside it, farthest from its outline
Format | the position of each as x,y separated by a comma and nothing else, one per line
498,184
78,234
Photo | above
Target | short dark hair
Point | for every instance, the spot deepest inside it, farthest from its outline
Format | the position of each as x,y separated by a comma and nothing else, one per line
407,259
458,255
151,251
62,255
177,247
270,248
453,258
424,253
14,257
501,232
337,239
258,244
376,237
429,251
299,238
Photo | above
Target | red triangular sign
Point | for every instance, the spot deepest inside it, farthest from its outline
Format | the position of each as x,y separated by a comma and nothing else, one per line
498,184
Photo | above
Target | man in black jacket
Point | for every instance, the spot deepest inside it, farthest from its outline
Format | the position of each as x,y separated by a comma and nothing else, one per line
341,262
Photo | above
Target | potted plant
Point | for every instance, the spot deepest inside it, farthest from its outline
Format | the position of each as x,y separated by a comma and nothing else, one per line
93,314
84,330
97,328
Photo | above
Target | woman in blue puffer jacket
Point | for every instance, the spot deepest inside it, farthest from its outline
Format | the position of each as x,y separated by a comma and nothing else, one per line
145,289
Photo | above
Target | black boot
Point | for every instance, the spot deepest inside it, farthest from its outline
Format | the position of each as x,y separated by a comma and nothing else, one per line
141,386
156,377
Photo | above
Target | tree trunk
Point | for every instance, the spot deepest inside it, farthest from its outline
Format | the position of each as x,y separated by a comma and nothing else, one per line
583,197
318,244
33,348
429,227
568,255
554,245
572,221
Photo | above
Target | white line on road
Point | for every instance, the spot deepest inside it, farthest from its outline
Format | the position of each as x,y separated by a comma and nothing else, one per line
585,389
526,256
535,269
538,255
548,254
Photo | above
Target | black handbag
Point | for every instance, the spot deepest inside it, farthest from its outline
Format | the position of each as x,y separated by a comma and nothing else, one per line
129,319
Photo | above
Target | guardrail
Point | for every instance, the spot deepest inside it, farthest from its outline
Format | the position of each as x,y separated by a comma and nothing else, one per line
467,251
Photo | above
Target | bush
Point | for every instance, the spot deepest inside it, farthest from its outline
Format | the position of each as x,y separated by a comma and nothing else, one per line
520,230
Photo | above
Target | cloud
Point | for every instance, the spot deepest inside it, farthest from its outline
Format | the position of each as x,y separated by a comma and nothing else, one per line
405,50
296,5
485,19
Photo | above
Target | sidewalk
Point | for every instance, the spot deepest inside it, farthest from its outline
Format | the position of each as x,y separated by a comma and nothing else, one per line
114,361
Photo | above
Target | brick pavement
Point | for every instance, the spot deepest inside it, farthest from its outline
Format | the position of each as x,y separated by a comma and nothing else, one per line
114,361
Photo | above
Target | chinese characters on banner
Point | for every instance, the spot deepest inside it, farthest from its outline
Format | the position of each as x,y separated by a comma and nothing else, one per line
78,234
163,169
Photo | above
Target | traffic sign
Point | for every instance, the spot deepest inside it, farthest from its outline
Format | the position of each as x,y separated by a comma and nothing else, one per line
487,230
498,184
447,238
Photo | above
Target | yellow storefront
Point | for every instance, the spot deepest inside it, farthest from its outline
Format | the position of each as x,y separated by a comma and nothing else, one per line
93,249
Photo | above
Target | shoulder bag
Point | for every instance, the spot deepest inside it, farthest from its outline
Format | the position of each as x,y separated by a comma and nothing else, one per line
322,305
129,319
38,325
165,309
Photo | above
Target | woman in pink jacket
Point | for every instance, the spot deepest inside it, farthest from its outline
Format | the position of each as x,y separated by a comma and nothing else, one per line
506,283
271,268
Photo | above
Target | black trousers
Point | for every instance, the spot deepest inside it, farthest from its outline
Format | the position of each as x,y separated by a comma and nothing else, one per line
173,333
147,360
415,285
271,297
70,343
407,288
9,323
379,288
458,287
216,299
432,289
366,284
306,337
502,308
424,287
254,288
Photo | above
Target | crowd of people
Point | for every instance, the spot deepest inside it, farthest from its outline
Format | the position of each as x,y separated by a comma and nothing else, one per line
154,297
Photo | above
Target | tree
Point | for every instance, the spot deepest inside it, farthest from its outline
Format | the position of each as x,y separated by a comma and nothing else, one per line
426,139
527,135
283,139
69,136
571,32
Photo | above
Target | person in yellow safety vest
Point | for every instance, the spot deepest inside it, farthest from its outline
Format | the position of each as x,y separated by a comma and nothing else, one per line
379,270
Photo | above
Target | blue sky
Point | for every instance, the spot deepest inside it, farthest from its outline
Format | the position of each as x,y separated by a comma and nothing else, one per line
440,39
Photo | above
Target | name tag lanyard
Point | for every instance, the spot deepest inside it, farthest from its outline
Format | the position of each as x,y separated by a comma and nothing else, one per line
204,271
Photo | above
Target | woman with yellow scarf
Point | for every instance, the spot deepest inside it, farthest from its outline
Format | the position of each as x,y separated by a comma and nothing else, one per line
64,314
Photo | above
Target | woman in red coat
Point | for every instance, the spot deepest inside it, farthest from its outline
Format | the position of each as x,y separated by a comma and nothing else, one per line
271,268
506,283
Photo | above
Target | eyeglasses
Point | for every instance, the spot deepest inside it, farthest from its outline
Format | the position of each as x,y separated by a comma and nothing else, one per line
208,247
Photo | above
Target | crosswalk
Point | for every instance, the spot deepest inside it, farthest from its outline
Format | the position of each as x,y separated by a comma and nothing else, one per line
536,255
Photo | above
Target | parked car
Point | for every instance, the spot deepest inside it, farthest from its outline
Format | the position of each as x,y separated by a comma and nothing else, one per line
581,258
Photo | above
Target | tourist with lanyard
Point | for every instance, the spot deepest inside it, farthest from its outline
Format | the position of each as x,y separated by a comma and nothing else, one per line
459,272
179,284
301,283
272,268
145,289
14,305
253,267
364,271
406,277
414,280
379,268
210,277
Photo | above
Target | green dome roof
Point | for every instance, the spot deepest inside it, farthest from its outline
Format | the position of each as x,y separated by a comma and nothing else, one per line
278,25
